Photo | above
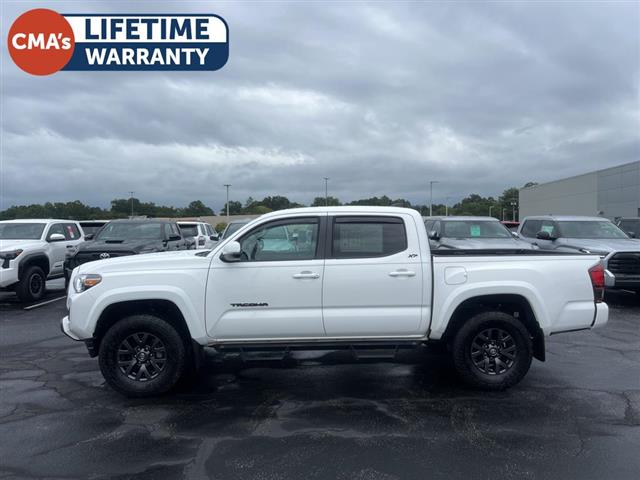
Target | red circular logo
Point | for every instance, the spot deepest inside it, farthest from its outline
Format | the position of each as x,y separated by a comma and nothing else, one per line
41,41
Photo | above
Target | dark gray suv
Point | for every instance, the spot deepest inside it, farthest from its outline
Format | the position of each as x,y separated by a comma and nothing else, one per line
593,235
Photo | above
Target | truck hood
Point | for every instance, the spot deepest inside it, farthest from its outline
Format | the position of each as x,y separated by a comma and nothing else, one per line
484,243
149,261
8,245
126,246
601,245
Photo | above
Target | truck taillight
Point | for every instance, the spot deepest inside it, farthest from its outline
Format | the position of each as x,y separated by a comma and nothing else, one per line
596,273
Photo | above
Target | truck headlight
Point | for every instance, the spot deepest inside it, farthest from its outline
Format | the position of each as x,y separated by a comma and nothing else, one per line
10,255
85,281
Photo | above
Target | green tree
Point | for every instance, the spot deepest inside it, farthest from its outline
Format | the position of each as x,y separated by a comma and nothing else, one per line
197,209
321,202
235,208
276,202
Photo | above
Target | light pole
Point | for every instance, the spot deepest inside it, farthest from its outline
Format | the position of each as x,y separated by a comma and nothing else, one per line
431,196
446,206
326,191
513,215
503,210
490,208
227,185
131,196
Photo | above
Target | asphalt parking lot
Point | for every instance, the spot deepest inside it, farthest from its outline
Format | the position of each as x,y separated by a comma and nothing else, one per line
322,415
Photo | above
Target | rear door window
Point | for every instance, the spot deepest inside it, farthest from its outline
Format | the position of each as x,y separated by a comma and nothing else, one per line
362,237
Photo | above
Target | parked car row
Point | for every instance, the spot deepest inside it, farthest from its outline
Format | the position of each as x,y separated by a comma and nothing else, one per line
619,250
34,251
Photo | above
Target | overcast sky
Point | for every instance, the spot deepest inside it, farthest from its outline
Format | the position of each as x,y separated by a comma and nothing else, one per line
380,97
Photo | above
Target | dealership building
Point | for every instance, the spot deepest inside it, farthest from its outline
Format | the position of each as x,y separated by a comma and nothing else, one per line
611,193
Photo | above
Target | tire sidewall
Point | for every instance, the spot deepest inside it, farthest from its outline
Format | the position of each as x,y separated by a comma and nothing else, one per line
175,349
462,351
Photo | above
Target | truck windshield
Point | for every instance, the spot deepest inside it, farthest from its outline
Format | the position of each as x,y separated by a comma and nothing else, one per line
474,229
590,229
131,231
21,231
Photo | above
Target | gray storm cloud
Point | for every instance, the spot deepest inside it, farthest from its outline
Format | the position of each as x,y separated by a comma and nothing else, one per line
381,98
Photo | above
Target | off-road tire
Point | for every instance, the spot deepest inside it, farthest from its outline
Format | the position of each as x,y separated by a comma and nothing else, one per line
176,356
32,285
462,351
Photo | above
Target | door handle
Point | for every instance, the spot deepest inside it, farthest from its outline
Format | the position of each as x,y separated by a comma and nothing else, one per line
402,273
69,246
306,275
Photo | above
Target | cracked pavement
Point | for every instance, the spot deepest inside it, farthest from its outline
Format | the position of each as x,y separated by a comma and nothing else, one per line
321,415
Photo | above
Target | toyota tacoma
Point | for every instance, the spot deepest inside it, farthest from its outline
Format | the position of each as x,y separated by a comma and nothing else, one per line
362,278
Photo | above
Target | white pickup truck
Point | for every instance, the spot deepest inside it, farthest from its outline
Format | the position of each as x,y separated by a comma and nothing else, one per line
312,278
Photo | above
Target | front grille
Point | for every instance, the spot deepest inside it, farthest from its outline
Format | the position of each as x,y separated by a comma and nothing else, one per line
625,263
84,257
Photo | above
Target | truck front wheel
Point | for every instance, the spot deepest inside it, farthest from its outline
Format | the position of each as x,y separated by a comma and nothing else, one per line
492,351
32,285
142,355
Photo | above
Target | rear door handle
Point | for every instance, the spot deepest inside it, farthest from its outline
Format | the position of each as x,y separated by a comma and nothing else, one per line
69,246
402,273
306,275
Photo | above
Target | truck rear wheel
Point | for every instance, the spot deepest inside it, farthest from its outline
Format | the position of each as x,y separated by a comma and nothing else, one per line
492,351
142,356
32,285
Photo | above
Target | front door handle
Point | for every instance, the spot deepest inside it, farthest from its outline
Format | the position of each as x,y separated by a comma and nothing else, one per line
306,275
402,273
69,246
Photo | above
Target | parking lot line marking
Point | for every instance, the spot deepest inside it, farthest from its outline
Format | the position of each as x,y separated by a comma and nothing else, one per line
31,307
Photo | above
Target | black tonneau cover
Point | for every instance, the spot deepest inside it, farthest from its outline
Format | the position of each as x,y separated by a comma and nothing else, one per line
499,252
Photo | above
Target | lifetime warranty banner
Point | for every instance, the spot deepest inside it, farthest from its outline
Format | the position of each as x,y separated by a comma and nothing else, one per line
42,42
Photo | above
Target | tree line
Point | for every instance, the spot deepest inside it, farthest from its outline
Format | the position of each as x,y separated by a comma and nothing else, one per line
501,207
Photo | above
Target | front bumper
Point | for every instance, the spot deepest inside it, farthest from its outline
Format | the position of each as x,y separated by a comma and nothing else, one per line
8,276
64,326
612,280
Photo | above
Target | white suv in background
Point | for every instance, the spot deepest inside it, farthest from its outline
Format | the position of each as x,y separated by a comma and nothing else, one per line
33,251
204,238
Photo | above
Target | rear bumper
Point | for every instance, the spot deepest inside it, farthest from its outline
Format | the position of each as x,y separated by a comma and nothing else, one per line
602,315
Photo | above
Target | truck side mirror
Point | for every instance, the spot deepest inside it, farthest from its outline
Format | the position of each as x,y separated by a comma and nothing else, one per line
56,237
215,237
231,252
544,235
632,234
433,235
88,236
